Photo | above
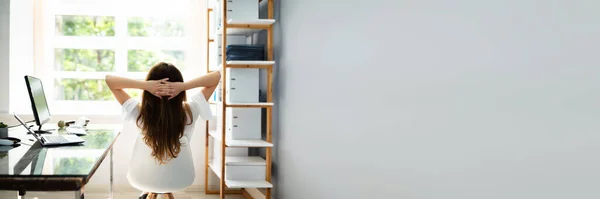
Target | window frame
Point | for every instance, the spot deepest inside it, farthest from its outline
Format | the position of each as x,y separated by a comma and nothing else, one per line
47,41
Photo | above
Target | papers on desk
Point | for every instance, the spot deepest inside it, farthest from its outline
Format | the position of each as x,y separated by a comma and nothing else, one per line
76,130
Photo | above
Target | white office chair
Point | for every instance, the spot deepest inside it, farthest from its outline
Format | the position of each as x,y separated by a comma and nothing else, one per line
147,175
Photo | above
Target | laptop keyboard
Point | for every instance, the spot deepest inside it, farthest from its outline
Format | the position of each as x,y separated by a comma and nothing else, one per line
54,139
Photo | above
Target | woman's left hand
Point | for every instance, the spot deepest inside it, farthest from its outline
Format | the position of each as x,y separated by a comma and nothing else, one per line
154,87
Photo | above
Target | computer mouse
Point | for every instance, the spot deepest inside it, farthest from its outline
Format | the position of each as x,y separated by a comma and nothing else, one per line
6,142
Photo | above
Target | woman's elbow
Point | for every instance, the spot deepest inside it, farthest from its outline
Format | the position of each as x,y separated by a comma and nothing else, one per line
108,80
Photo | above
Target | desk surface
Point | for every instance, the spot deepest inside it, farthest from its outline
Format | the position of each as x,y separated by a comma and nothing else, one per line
31,164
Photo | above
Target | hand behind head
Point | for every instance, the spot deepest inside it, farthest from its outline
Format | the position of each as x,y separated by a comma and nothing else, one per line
170,89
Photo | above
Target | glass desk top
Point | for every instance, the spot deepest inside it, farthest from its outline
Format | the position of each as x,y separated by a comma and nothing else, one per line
31,159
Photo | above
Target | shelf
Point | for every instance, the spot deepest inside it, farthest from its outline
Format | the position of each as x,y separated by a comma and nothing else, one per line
257,22
249,105
246,27
220,28
236,184
244,105
248,64
239,143
262,63
244,161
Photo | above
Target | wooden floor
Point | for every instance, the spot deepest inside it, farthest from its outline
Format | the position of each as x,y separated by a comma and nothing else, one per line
118,195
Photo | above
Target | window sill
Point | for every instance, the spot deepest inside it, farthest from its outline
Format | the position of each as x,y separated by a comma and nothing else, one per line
100,112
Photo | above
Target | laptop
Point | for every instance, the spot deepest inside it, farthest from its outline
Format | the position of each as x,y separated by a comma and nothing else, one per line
52,140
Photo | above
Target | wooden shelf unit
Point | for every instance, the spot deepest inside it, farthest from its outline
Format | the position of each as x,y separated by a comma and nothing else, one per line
249,189
216,134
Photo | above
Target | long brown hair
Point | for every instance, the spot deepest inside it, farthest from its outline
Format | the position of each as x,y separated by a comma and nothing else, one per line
162,120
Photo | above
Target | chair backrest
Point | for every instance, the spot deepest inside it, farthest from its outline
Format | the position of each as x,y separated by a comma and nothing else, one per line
147,175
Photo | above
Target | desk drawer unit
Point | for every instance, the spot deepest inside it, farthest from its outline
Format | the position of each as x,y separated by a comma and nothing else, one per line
242,85
247,168
243,123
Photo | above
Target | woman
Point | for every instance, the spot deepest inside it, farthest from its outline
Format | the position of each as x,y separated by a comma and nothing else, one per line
165,120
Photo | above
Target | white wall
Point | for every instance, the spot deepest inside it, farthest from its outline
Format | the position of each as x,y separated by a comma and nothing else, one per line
4,53
21,53
434,99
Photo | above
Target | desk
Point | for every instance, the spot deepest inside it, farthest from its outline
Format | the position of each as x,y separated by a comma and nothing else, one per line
32,167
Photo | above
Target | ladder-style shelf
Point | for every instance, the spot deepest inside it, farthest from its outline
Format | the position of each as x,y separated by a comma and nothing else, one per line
216,134
244,105
248,64
237,27
244,161
222,164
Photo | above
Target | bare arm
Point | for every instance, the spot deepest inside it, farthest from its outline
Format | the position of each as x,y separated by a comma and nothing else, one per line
117,84
211,81
207,82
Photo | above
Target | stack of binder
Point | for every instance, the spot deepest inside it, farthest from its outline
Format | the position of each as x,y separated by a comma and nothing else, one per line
246,52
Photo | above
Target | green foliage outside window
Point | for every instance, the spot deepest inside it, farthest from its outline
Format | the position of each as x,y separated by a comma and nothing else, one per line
68,25
159,27
103,60
135,64
85,60
84,89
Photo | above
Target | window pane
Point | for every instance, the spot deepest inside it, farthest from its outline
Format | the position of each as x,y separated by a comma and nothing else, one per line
82,89
143,60
84,60
134,93
70,25
154,27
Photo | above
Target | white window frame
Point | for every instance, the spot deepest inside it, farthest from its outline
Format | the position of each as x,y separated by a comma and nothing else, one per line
192,44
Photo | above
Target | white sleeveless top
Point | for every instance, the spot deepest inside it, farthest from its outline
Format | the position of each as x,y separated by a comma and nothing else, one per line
144,171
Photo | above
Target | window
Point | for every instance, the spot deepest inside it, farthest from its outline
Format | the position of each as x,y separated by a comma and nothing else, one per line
84,40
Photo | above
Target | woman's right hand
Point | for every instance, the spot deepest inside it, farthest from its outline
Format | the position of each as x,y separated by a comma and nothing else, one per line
177,87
